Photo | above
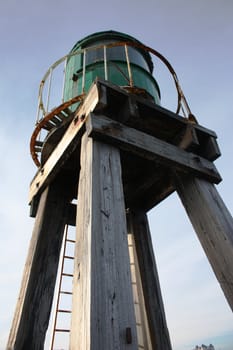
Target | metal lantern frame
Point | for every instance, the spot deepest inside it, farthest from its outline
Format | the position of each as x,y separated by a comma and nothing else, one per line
48,118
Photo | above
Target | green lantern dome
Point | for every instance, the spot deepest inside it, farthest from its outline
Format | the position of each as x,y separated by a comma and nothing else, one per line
112,56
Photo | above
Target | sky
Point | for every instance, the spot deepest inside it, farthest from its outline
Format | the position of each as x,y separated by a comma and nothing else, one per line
196,37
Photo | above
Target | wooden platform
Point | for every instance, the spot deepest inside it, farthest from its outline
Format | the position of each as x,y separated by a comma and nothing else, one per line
176,143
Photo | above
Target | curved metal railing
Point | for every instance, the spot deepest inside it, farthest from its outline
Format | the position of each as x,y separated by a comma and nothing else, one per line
49,93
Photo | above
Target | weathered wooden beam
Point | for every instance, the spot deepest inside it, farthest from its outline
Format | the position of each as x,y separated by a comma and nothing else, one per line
144,115
139,227
213,224
149,147
59,156
210,148
32,312
102,309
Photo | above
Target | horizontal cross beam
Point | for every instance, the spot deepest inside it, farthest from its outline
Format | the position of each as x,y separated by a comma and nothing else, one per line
150,147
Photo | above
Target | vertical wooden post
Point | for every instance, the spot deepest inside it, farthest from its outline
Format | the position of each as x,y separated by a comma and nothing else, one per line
214,226
35,299
139,227
102,311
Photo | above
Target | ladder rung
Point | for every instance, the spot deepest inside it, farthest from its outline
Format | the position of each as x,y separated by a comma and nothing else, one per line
67,274
69,257
62,330
61,116
48,126
56,121
39,143
68,111
64,311
70,240
64,292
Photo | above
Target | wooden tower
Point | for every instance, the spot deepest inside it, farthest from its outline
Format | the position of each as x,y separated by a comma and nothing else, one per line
113,148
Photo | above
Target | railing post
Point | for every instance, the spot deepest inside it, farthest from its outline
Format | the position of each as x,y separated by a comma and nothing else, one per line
128,65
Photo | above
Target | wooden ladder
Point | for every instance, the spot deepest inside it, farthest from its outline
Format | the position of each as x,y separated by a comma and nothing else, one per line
63,289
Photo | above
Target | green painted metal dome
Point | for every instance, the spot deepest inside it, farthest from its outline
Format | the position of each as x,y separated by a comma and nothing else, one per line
112,56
